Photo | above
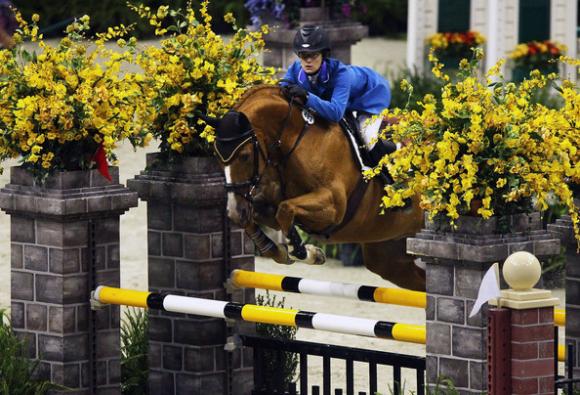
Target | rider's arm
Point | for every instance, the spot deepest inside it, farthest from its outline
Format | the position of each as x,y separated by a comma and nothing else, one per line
290,77
333,109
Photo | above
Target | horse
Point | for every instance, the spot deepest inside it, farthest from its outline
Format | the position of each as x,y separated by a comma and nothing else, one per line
284,168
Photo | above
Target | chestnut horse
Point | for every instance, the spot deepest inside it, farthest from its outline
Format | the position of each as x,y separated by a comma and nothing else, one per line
284,168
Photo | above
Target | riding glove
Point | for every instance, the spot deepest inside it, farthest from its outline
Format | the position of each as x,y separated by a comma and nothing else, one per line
296,92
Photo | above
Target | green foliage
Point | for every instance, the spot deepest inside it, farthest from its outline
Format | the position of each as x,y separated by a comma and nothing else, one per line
134,349
423,83
330,250
334,251
554,271
547,97
279,367
16,371
105,13
443,386
384,17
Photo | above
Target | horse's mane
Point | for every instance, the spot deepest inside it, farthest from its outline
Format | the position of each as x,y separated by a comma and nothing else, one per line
250,92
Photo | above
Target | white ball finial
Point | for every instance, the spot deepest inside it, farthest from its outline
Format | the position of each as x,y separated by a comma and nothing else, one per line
522,271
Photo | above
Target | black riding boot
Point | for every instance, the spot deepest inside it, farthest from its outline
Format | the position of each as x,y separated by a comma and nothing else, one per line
381,149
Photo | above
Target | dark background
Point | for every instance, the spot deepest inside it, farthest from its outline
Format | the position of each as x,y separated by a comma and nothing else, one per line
384,17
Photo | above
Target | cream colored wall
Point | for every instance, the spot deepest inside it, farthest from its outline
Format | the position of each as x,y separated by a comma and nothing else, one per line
422,25
479,21
563,29
497,20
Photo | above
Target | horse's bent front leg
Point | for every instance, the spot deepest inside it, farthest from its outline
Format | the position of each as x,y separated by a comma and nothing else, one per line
266,246
316,210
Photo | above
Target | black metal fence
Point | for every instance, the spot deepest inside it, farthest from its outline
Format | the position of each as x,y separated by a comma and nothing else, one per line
373,358
568,383
327,352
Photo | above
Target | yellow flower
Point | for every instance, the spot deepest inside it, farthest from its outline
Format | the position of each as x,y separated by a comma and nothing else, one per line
229,18
228,85
487,141
193,70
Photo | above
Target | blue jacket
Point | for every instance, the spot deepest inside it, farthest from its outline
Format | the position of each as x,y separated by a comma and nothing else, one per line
342,87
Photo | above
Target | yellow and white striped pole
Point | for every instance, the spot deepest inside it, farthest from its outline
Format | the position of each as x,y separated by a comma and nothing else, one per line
560,317
278,282
402,297
262,314
268,315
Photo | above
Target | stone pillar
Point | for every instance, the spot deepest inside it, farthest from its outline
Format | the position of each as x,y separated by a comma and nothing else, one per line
343,35
563,229
456,260
185,217
51,230
528,341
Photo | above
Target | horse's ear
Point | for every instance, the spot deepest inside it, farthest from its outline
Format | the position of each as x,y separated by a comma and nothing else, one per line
211,121
244,123
233,124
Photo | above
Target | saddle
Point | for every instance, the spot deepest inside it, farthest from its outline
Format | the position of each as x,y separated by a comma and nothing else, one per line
365,158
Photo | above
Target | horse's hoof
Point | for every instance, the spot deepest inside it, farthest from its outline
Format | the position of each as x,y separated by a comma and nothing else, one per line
286,259
316,255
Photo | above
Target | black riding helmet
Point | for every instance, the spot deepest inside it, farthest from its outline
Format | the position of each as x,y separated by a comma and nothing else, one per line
311,38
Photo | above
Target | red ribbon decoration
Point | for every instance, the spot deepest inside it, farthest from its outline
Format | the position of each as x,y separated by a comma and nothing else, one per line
100,158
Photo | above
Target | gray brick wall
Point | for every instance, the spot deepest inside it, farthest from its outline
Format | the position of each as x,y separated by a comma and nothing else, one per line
456,260
185,204
50,272
563,229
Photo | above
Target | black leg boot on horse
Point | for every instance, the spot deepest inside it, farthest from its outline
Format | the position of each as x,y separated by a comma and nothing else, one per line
267,247
304,253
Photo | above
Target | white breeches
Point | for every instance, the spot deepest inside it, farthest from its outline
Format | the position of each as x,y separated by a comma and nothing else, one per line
369,129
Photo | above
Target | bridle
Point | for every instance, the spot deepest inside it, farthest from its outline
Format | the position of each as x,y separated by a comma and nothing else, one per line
247,189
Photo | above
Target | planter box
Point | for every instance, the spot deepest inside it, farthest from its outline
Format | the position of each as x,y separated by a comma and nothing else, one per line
64,242
456,260
188,255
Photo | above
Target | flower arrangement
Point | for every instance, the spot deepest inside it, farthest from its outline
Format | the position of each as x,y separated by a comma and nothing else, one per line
541,55
62,104
288,11
194,72
455,44
485,149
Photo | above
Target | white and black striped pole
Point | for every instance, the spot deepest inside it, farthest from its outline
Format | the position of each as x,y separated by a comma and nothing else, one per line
262,314
279,282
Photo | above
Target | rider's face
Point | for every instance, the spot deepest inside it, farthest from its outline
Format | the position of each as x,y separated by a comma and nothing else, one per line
310,61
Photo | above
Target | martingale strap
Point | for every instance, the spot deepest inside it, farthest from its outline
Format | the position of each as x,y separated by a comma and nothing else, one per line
351,207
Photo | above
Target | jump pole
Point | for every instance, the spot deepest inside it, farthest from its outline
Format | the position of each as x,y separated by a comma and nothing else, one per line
267,315
402,297
262,314
279,282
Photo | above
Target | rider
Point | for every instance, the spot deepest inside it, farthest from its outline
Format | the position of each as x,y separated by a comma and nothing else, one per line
332,89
